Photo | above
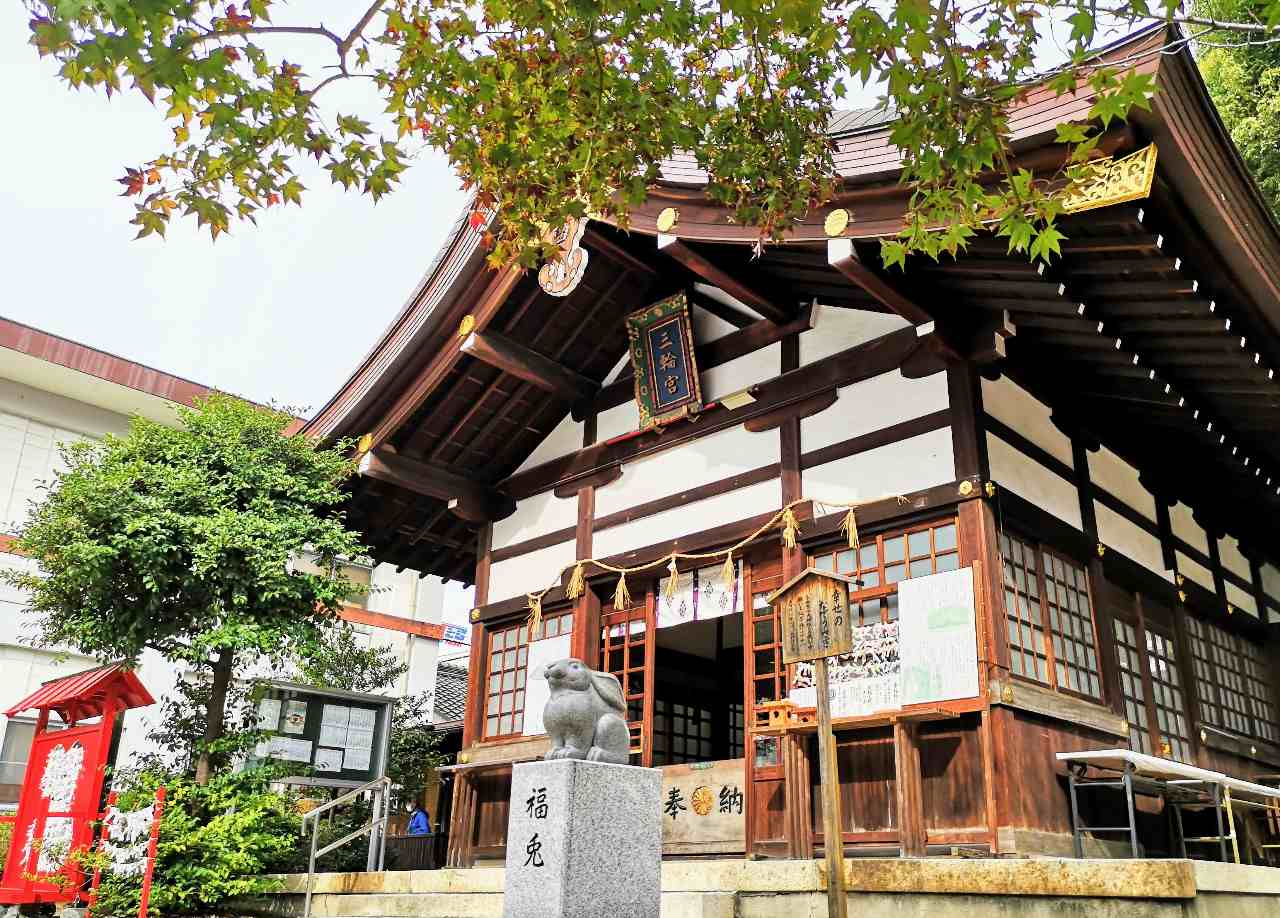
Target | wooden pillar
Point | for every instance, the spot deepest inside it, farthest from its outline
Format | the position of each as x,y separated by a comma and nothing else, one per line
462,807
789,451
797,795
1102,614
910,788
968,432
978,543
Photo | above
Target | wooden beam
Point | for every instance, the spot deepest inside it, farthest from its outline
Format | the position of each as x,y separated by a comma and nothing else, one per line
731,314
467,499
842,257
729,282
501,352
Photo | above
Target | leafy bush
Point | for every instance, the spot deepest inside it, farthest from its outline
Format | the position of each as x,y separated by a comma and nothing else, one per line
217,842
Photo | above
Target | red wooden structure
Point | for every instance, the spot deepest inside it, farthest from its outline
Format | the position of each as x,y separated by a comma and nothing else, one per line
149,865
62,790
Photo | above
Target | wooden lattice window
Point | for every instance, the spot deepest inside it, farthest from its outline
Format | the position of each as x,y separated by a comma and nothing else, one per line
681,733
880,563
623,649
508,671
768,674
1129,656
737,730
1167,696
1231,681
1049,617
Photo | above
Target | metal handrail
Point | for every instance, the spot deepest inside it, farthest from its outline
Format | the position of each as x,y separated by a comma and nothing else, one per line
381,787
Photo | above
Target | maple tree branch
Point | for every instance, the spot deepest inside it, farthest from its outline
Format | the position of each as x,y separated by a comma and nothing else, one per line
214,34
345,45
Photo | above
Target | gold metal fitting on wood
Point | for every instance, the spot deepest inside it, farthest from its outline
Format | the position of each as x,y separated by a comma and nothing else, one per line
475,615
990,488
1102,549
966,488
668,219
1182,596
466,326
836,223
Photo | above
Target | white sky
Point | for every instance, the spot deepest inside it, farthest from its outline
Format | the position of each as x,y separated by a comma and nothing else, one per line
279,312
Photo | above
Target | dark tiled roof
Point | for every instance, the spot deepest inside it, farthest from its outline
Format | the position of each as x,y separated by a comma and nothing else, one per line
451,693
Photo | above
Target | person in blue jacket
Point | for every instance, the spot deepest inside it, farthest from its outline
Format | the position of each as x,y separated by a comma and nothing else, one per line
419,821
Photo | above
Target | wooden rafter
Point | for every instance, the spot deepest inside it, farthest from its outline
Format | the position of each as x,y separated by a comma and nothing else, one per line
467,499
731,282
842,256
512,357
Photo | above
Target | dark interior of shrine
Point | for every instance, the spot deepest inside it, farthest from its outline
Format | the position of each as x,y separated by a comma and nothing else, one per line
698,713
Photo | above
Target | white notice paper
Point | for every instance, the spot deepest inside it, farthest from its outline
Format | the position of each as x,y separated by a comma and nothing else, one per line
286,748
363,718
269,714
939,637
328,759
355,759
537,691
333,725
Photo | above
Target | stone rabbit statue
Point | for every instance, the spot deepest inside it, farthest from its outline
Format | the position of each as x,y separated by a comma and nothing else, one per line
586,716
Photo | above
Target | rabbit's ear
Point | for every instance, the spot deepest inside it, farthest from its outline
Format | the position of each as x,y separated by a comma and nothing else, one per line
609,689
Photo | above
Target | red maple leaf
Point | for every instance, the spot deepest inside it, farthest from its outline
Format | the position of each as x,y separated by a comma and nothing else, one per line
273,198
231,54
132,181
235,20
477,220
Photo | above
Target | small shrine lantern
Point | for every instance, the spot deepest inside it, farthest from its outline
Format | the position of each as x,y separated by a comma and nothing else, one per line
62,789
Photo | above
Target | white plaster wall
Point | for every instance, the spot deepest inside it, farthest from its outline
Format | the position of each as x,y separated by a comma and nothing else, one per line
1119,479
617,421
529,572
1271,581
897,468
1020,411
709,327
428,604
15,626
701,461
873,404
1135,543
1033,482
29,459
1232,560
746,370
535,516
1186,528
837,330
1195,572
1241,599
565,438
737,505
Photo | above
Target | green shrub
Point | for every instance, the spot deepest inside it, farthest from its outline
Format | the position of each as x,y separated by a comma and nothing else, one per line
217,843
6,833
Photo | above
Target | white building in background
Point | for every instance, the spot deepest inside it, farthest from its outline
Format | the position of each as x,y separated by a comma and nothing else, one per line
55,391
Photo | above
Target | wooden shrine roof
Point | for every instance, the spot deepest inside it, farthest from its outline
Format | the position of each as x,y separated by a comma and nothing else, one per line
1180,328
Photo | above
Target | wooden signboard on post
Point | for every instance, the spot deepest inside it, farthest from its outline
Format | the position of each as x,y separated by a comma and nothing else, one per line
814,610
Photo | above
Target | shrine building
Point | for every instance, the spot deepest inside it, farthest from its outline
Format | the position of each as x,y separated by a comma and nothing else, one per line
1092,441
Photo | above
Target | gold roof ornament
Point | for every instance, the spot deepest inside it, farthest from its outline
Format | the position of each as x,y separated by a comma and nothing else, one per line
668,219
466,326
364,444
837,222
1112,181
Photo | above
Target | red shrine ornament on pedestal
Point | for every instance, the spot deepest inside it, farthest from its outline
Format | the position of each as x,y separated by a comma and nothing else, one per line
62,789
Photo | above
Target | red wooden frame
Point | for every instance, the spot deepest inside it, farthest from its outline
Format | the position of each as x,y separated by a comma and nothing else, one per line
104,693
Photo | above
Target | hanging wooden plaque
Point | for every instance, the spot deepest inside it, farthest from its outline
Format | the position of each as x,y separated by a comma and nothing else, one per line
814,610
666,370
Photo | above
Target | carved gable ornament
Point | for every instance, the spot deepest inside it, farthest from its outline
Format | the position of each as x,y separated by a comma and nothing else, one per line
660,339
561,277
1113,181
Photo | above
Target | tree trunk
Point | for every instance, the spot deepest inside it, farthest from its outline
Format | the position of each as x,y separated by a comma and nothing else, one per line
215,712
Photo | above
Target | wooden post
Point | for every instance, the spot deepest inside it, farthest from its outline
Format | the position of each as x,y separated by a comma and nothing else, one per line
910,793
828,772
156,814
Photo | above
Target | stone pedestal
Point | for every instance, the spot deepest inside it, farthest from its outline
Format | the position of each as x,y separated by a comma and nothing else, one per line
584,840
